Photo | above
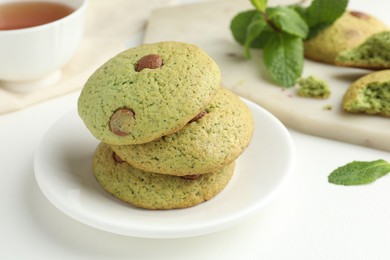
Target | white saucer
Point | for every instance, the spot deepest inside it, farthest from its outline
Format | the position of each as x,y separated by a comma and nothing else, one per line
63,171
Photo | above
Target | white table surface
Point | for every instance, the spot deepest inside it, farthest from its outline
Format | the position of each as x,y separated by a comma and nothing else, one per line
310,219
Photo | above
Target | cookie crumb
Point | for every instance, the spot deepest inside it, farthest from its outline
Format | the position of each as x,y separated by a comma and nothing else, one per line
313,88
328,107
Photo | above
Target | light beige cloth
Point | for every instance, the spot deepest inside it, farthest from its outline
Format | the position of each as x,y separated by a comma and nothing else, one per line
110,26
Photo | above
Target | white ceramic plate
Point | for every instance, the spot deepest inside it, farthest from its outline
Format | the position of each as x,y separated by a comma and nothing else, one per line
63,171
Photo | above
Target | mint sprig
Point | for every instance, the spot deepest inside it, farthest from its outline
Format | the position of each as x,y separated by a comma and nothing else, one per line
359,172
288,27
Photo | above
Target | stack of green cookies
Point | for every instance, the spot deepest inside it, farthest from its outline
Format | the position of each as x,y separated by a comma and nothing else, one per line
170,134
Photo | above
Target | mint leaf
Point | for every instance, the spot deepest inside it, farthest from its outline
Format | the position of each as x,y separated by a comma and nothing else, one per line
260,5
299,9
239,26
254,30
320,14
288,20
358,172
324,11
314,30
240,23
260,41
283,58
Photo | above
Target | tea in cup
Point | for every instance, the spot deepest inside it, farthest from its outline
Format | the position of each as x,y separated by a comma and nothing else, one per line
37,39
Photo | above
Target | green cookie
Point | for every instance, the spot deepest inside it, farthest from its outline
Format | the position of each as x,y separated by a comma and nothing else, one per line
369,94
347,32
202,146
147,92
152,190
374,53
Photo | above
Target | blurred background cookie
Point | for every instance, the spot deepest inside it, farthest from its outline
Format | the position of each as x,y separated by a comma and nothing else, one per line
369,94
347,32
374,53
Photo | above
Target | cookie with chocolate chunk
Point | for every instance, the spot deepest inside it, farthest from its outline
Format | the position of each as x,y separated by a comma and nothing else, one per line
155,191
147,92
347,32
216,138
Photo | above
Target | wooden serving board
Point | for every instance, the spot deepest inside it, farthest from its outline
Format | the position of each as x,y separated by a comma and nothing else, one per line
207,25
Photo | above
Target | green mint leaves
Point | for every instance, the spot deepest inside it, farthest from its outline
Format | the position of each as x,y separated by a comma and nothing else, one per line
288,20
321,14
324,11
239,27
283,57
254,29
280,32
358,172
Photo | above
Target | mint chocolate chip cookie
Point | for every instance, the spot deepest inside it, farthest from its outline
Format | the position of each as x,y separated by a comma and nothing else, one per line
212,140
147,92
151,190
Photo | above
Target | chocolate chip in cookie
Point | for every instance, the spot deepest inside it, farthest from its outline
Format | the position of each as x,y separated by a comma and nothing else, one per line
122,121
151,61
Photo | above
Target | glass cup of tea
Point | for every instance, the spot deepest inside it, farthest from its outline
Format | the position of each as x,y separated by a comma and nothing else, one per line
37,38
